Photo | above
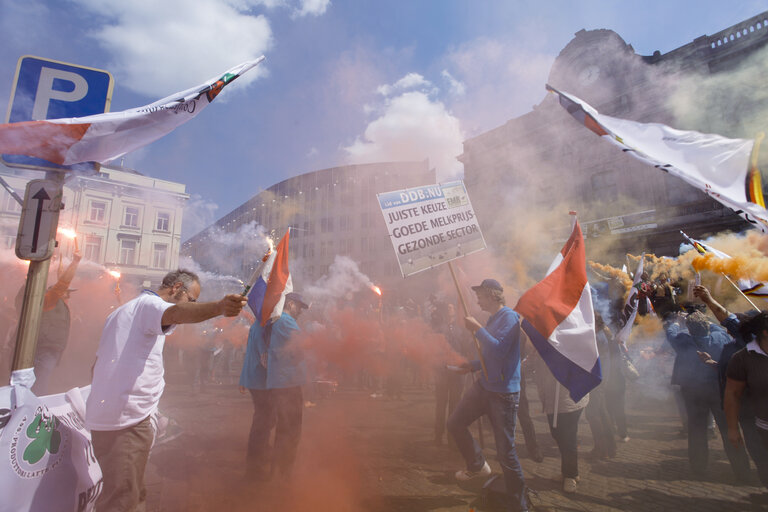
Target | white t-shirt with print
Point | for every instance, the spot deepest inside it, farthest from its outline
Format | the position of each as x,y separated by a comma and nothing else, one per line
128,375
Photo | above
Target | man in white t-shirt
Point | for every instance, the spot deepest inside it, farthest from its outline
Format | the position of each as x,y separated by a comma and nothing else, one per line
128,380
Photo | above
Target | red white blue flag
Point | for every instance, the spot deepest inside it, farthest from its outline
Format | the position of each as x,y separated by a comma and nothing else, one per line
559,318
270,283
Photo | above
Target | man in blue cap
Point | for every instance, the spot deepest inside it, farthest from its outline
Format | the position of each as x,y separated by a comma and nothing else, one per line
273,373
495,394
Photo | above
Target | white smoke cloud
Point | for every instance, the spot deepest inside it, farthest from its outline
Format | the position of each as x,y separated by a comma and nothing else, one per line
163,47
343,277
498,77
411,126
199,213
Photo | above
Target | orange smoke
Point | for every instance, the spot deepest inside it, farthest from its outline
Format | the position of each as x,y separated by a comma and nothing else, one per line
609,271
351,342
646,327
741,267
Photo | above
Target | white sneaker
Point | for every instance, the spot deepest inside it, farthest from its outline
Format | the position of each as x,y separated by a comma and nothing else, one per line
463,475
569,485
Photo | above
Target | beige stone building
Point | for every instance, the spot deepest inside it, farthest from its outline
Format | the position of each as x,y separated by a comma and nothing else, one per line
124,221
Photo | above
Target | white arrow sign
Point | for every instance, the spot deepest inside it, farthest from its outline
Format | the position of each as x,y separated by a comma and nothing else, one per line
39,219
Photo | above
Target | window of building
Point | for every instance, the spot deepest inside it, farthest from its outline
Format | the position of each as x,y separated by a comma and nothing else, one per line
9,241
128,252
308,250
326,225
97,212
345,223
323,249
163,221
131,217
160,255
10,204
364,245
365,220
93,248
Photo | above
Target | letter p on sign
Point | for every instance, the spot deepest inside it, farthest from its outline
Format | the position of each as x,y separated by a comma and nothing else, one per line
48,89
46,92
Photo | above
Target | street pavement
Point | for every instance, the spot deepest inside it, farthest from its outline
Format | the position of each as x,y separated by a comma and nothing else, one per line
360,453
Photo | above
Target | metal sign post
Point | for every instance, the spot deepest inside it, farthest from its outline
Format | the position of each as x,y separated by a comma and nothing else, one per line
46,89
41,248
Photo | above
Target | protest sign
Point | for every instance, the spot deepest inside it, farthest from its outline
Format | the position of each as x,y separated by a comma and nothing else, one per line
430,225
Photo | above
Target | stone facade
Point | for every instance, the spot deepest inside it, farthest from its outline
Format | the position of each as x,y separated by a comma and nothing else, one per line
545,161
124,221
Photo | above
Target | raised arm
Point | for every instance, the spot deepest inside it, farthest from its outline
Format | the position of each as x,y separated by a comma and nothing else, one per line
194,312
701,292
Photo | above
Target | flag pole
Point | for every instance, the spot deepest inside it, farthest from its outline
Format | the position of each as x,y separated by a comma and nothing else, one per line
466,313
741,292
704,251
557,403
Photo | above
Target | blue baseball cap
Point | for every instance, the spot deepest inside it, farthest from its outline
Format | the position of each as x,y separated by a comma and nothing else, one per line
297,298
489,284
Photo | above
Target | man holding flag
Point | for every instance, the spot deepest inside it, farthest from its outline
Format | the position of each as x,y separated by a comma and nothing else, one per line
273,372
560,321
128,380
495,394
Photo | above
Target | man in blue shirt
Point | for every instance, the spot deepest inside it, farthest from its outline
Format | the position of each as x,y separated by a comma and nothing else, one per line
699,385
273,372
496,394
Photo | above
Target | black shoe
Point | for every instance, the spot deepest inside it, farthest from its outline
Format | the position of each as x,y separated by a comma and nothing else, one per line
536,456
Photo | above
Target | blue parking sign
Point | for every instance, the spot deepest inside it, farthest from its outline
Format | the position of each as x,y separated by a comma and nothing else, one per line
49,89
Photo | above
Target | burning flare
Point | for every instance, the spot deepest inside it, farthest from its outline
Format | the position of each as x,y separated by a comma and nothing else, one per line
69,233
376,290
114,273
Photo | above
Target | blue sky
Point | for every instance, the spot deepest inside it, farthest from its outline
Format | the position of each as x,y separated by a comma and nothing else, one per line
344,81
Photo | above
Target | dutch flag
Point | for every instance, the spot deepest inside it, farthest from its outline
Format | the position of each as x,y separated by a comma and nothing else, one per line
270,283
560,321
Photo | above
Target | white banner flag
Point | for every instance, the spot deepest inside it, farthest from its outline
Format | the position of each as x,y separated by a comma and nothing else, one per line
105,137
47,462
716,165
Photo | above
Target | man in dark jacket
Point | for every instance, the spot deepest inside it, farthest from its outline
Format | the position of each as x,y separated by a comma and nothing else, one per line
699,385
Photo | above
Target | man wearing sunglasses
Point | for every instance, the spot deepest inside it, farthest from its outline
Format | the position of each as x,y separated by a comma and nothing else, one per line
128,380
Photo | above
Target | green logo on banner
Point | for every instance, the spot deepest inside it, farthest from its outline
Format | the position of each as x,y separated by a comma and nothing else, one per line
46,437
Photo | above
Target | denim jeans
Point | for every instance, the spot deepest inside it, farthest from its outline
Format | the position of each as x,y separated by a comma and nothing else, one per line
565,435
699,403
501,409
281,409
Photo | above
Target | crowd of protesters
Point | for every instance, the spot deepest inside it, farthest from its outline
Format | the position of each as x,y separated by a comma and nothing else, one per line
719,375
